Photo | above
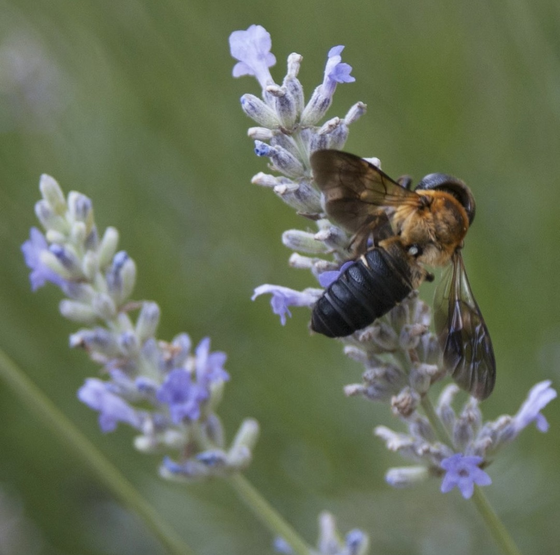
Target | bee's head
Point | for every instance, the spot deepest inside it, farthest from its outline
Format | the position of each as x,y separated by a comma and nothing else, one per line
453,186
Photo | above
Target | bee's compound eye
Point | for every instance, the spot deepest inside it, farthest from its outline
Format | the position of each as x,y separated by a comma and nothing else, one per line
415,250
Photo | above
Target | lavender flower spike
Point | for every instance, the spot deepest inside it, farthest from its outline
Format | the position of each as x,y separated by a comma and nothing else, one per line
463,472
252,49
283,297
165,391
540,395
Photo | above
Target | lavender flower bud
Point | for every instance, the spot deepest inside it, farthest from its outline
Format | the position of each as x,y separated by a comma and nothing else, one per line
379,384
301,196
148,321
420,427
96,340
108,246
410,335
214,430
239,459
191,470
332,134
90,267
68,260
302,241
91,241
421,376
332,236
480,447
282,160
54,236
49,260
169,439
291,82
53,194
405,403
121,277
80,209
355,113
328,534
337,139
247,435
128,344
318,142
267,180
406,476
357,543
287,143
444,407
104,306
258,111
285,105
260,133
294,64
78,233
382,335
49,219
77,312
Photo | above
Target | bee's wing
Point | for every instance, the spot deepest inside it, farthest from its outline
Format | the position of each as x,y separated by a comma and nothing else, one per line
354,190
462,333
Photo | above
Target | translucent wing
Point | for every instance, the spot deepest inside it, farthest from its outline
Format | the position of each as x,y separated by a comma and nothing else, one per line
462,333
355,191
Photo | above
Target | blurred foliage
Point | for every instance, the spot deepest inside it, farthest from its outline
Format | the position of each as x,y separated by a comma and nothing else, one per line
132,103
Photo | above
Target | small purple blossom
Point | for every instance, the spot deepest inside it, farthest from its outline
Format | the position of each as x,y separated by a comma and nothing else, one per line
328,277
252,49
283,297
184,391
183,395
540,395
209,366
463,472
112,409
40,273
336,71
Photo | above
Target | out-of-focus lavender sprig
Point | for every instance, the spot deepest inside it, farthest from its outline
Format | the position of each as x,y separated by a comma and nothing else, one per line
400,354
330,541
167,391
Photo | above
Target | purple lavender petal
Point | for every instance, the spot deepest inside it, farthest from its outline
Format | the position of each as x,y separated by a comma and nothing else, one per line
283,297
112,409
463,472
182,395
328,277
539,396
252,49
209,366
40,273
335,71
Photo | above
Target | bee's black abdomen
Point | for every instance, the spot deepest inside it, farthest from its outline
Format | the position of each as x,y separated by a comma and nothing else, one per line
361,294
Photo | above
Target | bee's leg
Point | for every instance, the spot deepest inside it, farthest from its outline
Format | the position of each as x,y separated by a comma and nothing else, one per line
405,181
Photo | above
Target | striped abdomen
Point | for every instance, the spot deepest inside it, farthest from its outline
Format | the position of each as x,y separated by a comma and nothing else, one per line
366,290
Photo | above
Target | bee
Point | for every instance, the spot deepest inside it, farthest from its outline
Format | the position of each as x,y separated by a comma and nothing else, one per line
397,231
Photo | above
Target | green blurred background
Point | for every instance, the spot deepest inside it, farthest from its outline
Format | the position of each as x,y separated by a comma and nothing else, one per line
132,103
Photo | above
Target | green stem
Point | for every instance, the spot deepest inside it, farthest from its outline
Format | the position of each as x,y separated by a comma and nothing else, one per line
491,519
267,515
494,524
99,466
